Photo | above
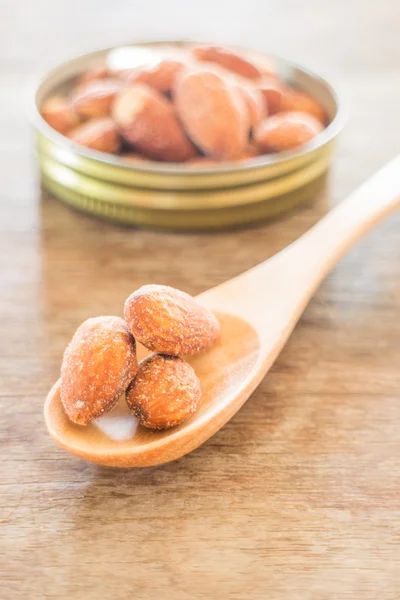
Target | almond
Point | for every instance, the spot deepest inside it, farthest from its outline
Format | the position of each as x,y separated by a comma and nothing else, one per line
161,76
294,101
165,392
250,152
93,74
169,321
98,134
229,59
286,131
213,112
97,367
267,67
272,91
255,104
148,122
59,114
95,98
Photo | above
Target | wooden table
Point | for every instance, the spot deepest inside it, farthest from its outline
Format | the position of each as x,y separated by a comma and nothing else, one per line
298,496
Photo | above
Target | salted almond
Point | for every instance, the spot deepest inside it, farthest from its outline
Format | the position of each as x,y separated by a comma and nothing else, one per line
213,112
169,321
272,92
286,131
98,134
148,122
256,106
93,74
229,59
160,76
95,98
98,365
294,101
59,114
252,150
267,67
164,393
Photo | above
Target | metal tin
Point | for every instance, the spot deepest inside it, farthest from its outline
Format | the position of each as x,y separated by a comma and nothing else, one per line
176,196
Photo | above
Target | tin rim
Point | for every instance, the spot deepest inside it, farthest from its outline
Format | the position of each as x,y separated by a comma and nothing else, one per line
189,200
184,220
323,138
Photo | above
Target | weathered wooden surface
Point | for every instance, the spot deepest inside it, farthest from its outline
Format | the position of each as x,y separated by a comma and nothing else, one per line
298,496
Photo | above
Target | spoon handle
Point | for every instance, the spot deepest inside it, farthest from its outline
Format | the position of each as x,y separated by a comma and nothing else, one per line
319,249
274,293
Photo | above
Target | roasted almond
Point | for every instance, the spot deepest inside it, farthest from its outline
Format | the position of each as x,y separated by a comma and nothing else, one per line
169,321
97,367
93,74
164,393
98,134
59,114
272,91
95,98
228,59
267,67
286,131
160,76
213,112
255,103
294,101
252,150
148,122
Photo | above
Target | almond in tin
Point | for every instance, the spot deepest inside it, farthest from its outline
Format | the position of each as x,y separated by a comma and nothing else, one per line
147,121
97,134
296,101
286,131
255,103
272,91
228,59
93,74
95,98
59,114
161,76
213,112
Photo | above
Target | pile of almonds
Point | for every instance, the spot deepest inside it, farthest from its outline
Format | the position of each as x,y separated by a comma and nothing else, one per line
202,105
100,363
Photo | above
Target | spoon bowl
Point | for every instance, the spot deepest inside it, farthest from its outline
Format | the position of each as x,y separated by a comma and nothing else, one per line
257,311
116,439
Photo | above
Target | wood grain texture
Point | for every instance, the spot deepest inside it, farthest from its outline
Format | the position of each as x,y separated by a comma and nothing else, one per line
298,496
257,312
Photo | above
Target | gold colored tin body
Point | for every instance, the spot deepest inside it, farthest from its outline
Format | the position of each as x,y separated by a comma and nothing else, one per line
174,196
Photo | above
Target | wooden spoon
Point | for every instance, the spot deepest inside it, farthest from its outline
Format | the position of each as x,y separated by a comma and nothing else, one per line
258,310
